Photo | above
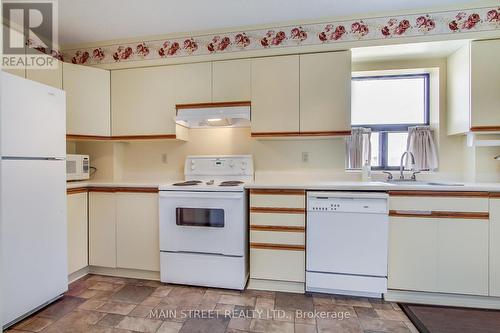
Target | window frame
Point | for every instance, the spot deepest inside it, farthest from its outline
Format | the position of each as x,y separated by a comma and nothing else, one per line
384,129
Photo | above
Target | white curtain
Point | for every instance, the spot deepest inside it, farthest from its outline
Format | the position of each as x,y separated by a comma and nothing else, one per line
421,143
358,148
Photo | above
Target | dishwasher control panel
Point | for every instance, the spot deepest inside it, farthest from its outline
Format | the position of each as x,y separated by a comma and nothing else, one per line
347,205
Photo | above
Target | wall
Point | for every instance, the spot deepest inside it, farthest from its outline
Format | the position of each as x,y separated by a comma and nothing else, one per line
144,160
478,162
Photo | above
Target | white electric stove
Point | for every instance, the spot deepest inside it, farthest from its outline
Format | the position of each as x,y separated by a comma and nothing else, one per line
203,223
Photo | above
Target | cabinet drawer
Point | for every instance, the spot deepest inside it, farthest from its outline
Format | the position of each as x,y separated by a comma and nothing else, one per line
277,237
297,201
285,220
284,265
437,203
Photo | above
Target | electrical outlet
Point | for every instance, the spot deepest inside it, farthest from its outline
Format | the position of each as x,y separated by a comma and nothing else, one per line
164,159
305,156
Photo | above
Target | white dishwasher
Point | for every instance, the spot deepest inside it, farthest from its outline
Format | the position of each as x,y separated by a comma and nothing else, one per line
347,240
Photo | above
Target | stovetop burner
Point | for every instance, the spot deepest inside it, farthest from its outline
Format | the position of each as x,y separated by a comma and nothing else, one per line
188,183
231,183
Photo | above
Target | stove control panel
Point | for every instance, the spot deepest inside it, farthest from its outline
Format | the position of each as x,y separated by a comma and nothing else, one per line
229,165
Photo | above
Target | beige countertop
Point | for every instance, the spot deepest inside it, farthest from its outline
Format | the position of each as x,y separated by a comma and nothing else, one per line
377,186
315,185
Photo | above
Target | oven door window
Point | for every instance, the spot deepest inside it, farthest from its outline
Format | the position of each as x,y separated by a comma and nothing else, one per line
200,217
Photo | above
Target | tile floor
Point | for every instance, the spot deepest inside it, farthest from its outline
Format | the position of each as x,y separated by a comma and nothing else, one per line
103,304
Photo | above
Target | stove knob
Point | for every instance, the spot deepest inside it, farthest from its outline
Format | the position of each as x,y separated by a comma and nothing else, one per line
231,164
243,165
192,165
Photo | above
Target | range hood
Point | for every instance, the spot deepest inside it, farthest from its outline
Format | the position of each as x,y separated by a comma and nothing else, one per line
210,115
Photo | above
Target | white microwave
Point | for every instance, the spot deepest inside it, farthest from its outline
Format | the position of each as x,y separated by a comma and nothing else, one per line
77,167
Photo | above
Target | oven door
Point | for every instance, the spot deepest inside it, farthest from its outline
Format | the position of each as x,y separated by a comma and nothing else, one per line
203,222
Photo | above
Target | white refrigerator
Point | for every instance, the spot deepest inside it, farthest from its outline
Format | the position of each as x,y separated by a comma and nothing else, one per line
33,236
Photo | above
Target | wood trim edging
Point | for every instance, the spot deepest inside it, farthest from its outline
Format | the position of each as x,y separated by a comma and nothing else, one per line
276,210
268,246
495,195
276,191
441,214
86,137
277,228
76,190
123,189
458,194
212,105
120,137
485,129
298,134
143,137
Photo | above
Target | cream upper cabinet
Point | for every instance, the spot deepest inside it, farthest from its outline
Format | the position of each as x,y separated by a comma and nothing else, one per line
231,80
485,84
18,72
50,76
495,246
87,100
275,94
142,101
102,229
325,92
192,83
21,71
473,85
77,231
137,231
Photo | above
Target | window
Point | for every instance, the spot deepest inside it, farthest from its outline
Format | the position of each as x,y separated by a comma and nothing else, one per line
389,105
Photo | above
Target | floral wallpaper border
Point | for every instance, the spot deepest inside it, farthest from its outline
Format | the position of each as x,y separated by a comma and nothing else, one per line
428,24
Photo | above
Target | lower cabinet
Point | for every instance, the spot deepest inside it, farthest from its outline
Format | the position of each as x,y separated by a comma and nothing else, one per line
277,264
495,245
123,229
77,231
412,251
102,229
137,234
277,240
439,250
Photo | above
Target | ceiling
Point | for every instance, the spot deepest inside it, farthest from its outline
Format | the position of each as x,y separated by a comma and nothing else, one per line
98,20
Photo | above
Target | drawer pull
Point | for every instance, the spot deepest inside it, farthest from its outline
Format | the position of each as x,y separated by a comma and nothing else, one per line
277,228
277,192
441,214
277,210
443,194
268,246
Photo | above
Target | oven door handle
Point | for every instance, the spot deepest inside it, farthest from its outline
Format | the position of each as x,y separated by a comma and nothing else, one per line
201,195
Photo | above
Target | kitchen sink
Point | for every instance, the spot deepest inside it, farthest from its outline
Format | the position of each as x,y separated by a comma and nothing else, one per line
418,182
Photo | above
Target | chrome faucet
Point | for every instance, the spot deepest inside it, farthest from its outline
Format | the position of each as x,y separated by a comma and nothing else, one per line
401,167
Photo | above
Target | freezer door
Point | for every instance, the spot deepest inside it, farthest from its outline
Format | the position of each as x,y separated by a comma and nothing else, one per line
33,118
33,239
